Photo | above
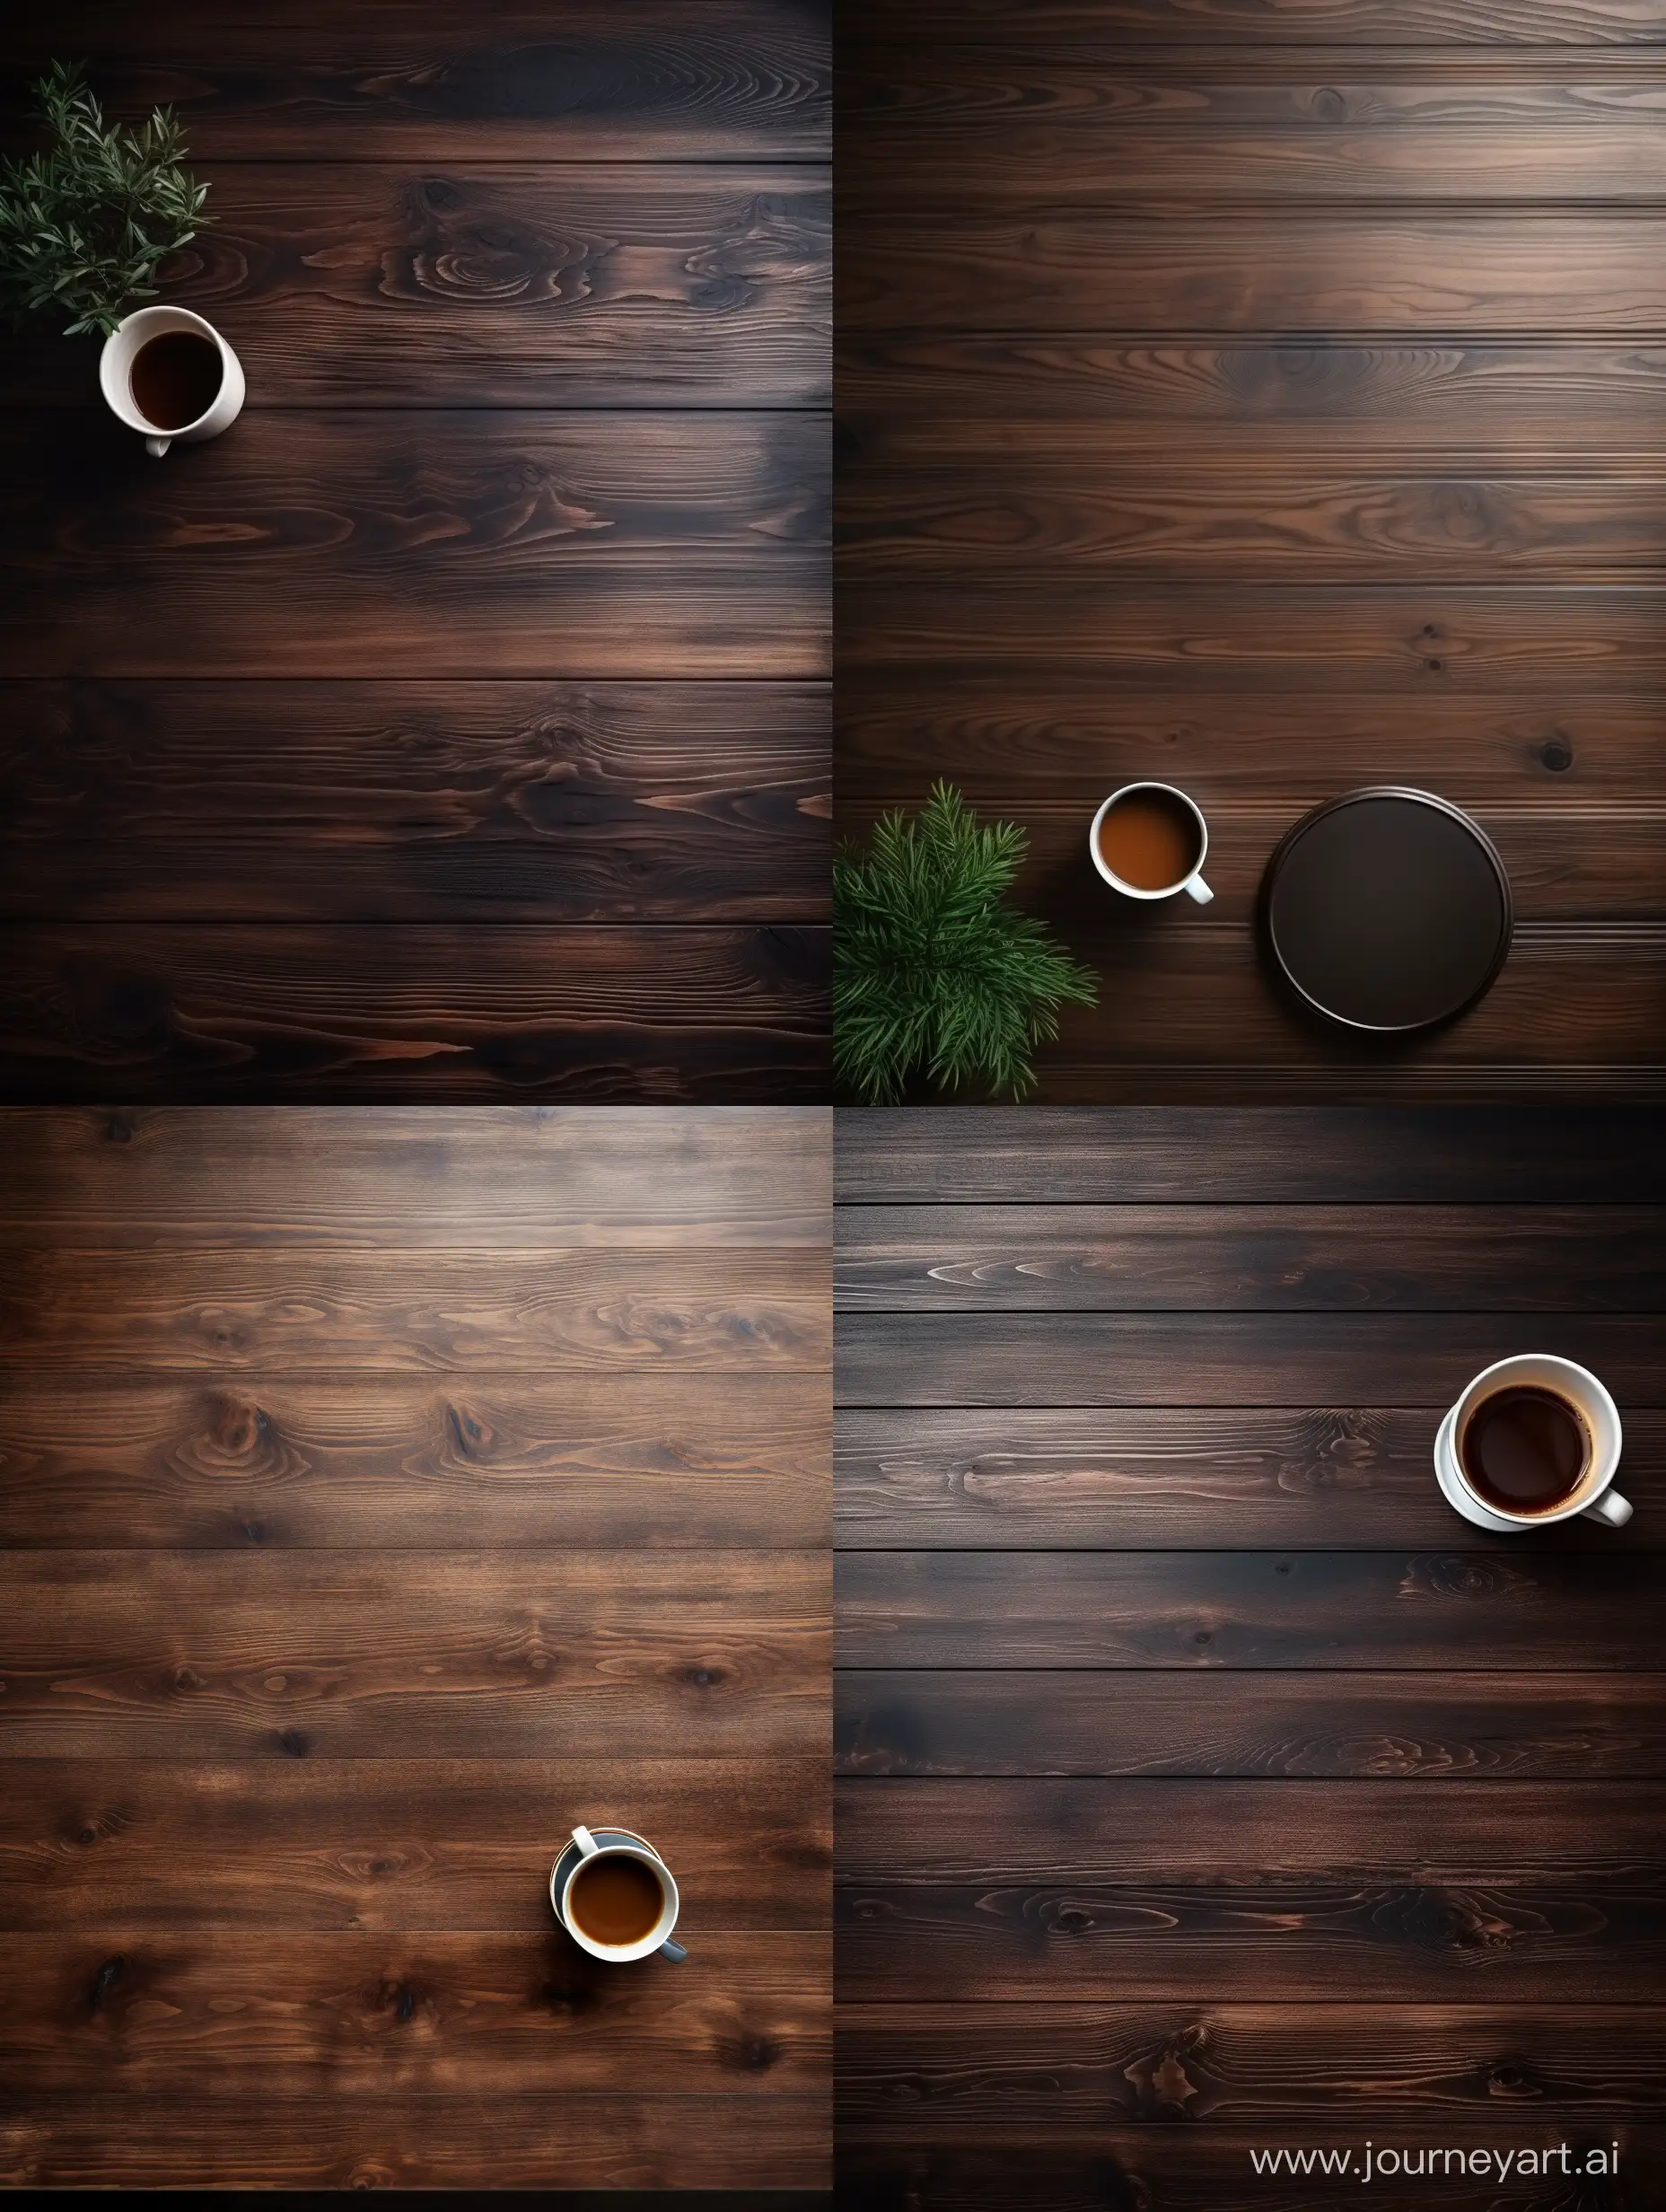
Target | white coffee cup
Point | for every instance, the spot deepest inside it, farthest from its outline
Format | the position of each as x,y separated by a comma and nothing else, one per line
116,377
616,1843
1594,1496
1192,884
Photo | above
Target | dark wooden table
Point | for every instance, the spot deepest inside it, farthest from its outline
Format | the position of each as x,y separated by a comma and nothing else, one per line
1207,1783
1268,400
455,727
380,1494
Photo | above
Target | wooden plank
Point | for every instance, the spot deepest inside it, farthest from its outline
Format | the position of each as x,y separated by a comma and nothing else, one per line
1448,642
1230,1359
351,1015
968,499
1575,1007
1075,2067
181,1656
438,544
635,286
1090,26
1146,1155
708,79
1568,859
613,2140
1530,1726
1031,264
217,1313
1035,1478
103,1846
1196,2169
294,800
1250,1258
1492,1941
1233,144
1246,1834
1011,738
408,1178
1506,1612
1543,394
615,1463
210,2013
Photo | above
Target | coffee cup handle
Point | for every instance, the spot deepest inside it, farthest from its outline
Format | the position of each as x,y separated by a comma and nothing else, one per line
587,1845
1610,1507
1199,889
157,447
672,1949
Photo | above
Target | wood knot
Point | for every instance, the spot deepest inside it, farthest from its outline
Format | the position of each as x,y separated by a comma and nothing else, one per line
1558,755
106,1978
702,1678
753,2053
118,1130
294,1744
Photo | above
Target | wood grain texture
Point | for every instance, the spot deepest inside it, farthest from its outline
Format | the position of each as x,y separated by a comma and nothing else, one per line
1026,266
1020,1479
306,1676
1183,1792
1318,1259
535,314
1075,2065
642,286
1132,1155
1043,1889
1051,496
1395,1942
1258,398
708,79
600,2140
277,1312
1463,397
185,1655
360,800
355,1015
1379,1726
1087,26
213,2013
1233,1359
500,1177
331,1462
1255,1834
97,1846
438,545
1501,1612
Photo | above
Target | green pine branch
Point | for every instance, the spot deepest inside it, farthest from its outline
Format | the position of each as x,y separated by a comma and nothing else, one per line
934,972
85,225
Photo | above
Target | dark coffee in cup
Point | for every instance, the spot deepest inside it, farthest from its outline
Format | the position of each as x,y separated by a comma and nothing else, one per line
1150,839
175,379
1525,1450
616,1898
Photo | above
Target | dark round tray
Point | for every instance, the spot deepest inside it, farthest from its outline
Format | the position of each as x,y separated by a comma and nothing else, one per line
1387,911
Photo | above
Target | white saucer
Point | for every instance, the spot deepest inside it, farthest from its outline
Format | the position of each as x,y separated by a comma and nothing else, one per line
1454,1493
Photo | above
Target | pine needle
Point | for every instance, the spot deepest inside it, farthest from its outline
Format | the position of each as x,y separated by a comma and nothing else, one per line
934,972
84,226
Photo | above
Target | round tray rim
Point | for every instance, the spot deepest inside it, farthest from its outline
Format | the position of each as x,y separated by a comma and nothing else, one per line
1316,814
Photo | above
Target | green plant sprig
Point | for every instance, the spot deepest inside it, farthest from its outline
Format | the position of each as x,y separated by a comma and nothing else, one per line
934,972
85,225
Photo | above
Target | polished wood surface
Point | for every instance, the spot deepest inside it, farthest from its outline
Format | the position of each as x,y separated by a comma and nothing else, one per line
1197,1763
456,726
1265,399
344,1570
